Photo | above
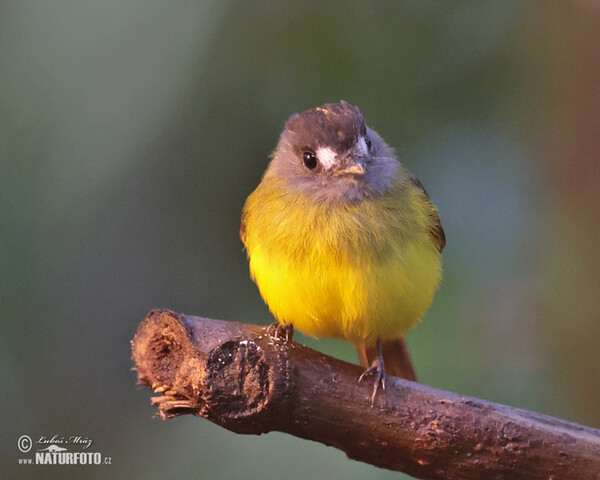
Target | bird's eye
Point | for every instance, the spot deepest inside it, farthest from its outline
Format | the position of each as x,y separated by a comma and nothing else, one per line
368,142
310,160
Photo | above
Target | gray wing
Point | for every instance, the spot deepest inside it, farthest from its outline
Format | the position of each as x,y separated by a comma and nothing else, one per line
437,232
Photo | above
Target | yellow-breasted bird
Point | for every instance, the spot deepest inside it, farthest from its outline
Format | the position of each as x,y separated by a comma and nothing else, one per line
343,240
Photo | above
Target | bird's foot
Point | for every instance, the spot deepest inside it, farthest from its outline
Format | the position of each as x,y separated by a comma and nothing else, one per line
378,369
278,331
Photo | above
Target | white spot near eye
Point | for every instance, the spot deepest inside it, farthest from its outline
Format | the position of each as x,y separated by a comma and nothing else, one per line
327,157
361,146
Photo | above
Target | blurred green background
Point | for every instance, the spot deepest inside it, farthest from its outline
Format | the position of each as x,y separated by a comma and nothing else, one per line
132,132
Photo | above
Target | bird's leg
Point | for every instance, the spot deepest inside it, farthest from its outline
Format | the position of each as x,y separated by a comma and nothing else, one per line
277,330
377,367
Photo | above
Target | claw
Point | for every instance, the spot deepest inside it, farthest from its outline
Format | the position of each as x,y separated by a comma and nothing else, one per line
378,369
277,331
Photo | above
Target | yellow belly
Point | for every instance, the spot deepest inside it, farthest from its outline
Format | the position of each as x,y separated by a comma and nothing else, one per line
358,272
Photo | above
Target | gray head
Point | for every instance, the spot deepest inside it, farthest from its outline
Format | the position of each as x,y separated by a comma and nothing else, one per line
329,152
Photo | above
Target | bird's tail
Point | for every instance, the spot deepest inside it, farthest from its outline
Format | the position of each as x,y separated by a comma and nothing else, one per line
395,357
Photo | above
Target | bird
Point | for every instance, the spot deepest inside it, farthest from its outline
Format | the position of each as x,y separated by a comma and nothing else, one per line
342,239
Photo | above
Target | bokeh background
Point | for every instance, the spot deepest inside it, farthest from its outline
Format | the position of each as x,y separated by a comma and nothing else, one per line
131,133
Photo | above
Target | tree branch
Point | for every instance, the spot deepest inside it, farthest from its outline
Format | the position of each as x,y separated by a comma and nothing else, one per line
240,377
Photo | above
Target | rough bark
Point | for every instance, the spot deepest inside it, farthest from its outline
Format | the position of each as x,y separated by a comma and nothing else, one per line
246,380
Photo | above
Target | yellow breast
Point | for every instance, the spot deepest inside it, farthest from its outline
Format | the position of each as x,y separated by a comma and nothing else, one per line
358,271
